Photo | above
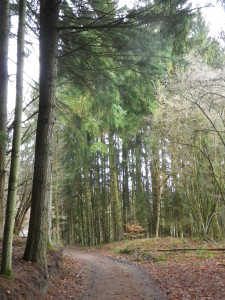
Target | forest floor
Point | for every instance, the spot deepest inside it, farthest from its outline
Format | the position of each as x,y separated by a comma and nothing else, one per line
176,271
107,278
183,268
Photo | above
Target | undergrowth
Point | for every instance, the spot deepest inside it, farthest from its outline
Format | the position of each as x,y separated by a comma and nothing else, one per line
160,250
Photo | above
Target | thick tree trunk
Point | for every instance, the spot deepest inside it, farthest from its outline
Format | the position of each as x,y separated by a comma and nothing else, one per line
37,237
6,267
4,31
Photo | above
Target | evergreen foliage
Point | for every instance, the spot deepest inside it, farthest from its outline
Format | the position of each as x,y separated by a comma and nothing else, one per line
139,127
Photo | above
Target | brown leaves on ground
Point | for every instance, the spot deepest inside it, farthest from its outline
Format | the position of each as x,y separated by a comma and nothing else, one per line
68,282
187,276
198,274
31,282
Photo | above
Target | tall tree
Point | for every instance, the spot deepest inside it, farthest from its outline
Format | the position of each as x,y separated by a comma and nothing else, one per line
4,33
6,267
114,194
37,237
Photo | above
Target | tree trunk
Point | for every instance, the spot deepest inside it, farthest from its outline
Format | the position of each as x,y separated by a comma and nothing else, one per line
140,205
50,196
156,193
4,31
133,185
89,210
21,213
6,267
177,197
126,201
99,205
55,196
104,199
37,237
80,204
114,195
147,196
70,222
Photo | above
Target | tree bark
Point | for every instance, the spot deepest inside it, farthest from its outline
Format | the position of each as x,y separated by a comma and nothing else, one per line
55,196
126,200
114,195
156,193
49,196
37,237
6,267
4,32
140,209
22,210
147,196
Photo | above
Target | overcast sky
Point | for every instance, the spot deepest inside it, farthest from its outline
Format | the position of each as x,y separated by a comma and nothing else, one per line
215,16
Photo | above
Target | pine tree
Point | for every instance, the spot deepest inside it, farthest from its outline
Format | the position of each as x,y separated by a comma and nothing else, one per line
37,237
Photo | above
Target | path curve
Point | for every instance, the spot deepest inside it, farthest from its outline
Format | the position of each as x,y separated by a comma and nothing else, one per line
111,279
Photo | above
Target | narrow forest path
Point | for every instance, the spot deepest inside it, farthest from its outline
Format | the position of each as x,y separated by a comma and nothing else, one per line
109,279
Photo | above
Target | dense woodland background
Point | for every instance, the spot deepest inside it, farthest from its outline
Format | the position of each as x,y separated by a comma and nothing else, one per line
138,108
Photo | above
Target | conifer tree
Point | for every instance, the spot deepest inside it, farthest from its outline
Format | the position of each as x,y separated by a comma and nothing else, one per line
37,237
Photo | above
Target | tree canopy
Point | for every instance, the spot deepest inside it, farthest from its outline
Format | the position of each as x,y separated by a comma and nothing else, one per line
125,128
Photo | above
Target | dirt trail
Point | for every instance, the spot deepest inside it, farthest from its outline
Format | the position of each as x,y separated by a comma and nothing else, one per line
110,279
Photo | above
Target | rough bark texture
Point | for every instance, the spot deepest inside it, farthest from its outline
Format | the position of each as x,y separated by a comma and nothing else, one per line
4,29
37,236
14,168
